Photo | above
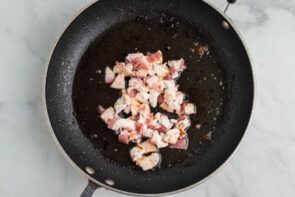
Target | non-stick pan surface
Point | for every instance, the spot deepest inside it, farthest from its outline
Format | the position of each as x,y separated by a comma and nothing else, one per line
220,83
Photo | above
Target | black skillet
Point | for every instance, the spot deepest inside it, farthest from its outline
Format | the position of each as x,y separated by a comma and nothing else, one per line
220,83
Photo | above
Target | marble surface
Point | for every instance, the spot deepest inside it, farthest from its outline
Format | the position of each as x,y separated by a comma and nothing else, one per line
31,164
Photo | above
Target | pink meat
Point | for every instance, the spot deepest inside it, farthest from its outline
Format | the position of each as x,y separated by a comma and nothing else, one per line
100,109
123,137
109,75
110,123
134,56
156,57
119,82
132,92
180,144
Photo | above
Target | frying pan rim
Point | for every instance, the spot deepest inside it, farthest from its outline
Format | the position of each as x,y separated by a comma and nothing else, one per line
47,119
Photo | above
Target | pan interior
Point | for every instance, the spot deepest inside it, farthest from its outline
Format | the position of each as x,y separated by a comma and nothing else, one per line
220,84
203,82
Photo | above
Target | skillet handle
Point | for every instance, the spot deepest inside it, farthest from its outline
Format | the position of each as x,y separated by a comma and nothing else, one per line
229,2
90,189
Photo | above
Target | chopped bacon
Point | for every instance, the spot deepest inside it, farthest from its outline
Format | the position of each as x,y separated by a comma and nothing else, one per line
132,92
168,77
161,70
131,57
124,123
124,137
162,128
142,97
183,123
148,162
190,109
109,113
179,97
164,120
136,153
145,109
160,99
120,105
151,83
148,133
111,122
148,147
157,140
153,98
100,109
164,106
127,70
172,136
119,82
177,64
119,67
173,73
109,75
180,144
155,58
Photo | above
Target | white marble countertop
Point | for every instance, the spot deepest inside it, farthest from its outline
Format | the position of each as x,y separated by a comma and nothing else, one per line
31,164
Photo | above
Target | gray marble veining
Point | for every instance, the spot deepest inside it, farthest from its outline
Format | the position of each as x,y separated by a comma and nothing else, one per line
31,165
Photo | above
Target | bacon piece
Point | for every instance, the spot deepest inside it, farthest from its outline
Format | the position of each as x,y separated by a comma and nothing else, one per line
177,65
127,70
124,123
148,162
143,130
164,120
170,85
151,81
111,122
145,110
119,82
157,140
119,67
173,73
179,97
109,75
190,108
134,107
183,122
142,97
138,84
134,137
173,105
169,96
141,73
172,136
156,58
180,144
148,133
148,147
161,70
160,99
131,57
124,137
120,105
100,109
132,92
164,106
154,98
136,153
109,113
